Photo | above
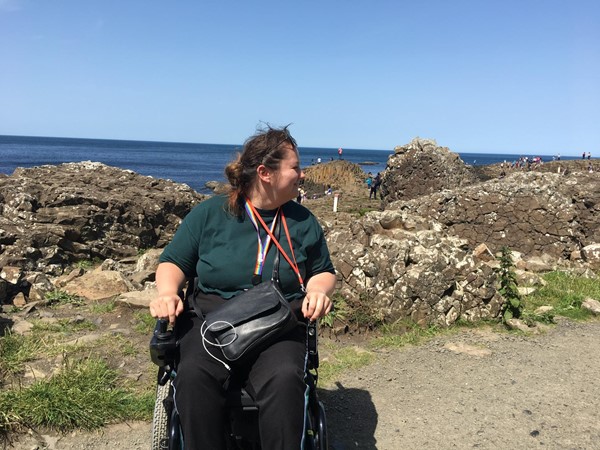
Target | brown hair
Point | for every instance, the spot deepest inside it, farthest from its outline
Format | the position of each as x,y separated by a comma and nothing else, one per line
266,147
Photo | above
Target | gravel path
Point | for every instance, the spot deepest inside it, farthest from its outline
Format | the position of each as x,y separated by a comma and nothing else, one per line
474,389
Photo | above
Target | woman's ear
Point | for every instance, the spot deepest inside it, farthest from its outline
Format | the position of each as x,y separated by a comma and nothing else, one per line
264,173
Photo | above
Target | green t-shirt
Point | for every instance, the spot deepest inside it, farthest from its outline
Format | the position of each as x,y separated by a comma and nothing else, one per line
221,249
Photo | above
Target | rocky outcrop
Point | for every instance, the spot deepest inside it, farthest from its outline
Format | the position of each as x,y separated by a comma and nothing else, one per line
393,265
54,216
534,213
422,168
343,175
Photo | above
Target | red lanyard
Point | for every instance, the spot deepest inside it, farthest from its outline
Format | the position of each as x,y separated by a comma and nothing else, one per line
293,263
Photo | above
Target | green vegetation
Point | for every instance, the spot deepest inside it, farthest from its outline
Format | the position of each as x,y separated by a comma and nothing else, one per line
360,314
87,264
565,292
15,350
63,326
89,393
513,304
86,395
144,322
404,332
342,360
102,308
58,297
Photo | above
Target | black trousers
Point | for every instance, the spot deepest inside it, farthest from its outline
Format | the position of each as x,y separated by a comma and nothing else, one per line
275,379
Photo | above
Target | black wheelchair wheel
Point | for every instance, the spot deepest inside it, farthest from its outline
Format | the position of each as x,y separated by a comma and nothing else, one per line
161,418
323,442
175,437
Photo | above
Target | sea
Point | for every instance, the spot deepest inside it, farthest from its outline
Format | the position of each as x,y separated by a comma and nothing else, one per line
189,163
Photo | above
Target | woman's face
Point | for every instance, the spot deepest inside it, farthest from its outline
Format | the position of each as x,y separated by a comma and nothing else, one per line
286,180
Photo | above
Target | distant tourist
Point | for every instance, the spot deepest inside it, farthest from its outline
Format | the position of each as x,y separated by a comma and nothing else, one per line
583,155
374,186
340,151
558,157
318,160
589,155
369,181
590,168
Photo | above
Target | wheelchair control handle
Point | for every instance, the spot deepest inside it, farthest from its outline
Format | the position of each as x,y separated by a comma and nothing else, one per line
163,345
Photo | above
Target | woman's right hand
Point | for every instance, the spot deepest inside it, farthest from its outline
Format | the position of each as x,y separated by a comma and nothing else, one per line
166,306
169,281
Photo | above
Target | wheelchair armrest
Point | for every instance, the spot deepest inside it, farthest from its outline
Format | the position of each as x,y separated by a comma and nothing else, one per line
163,345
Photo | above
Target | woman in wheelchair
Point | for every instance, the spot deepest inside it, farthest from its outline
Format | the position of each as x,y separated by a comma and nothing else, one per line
224,243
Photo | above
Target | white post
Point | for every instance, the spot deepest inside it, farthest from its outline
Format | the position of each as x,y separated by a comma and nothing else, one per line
335,202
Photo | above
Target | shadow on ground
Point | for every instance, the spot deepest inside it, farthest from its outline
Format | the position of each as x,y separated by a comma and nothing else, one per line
351,418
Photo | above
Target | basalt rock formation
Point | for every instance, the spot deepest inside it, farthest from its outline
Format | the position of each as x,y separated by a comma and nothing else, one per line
340,175
428,256
54,216
422,168
532,212
393,265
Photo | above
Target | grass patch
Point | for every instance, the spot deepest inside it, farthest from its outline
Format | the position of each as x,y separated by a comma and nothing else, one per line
103,308
403,333
144,322
65,326
565,292
359,314
58,297
343,359
85,395
15,350
87,264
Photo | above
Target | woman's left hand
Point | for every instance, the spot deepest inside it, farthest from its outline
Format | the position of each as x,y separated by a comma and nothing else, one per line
316,304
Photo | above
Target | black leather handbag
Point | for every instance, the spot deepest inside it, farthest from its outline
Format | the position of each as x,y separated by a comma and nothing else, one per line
250,320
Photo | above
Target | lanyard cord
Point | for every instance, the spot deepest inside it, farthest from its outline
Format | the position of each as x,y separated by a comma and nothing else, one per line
293,264
263,247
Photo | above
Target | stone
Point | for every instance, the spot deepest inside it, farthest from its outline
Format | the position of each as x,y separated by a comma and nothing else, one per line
526,290
98,285
19,300
591,305
516,324
139,299
148,261
483,253
70,276
22,327
543,310
11,274
591,254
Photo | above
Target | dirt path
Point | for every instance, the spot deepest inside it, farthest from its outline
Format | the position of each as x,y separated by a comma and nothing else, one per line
475,389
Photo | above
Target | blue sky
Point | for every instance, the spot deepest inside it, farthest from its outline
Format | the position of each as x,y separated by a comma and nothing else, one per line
477,76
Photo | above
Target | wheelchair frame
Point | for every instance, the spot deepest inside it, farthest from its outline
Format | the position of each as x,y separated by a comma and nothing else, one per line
242,426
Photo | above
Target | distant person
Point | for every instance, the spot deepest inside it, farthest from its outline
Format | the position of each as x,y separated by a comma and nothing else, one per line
583,155
589,155
340,151
558,157
374,186
369,181
318,160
